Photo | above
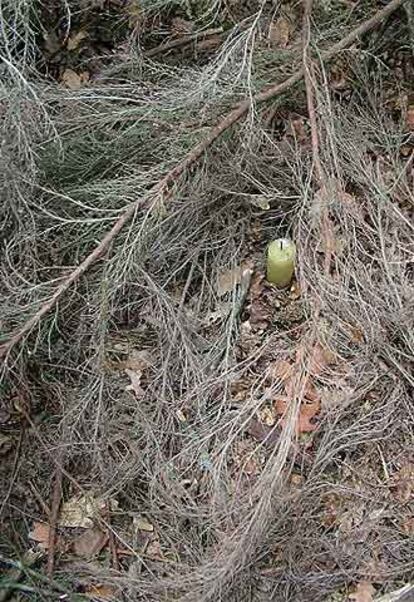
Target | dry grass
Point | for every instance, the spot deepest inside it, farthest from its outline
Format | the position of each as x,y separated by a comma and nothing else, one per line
237,518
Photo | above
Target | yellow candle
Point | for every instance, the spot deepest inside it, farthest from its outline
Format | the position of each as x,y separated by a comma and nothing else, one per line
281,261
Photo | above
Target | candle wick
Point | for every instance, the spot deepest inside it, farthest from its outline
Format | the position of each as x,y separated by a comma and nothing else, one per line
281,245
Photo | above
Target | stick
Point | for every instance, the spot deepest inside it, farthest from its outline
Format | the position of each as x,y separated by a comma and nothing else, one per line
54,513
194,154
307,68
183,41
319,174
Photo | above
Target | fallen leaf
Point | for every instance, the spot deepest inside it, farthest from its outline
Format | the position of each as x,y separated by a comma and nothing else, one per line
181,27
90,542
139,360
409,118
364,592
297,127
181,416
6,444
307,412
227,280
261,202
75,40
51,43
403,483
153,550
135,386
408,526
101,592
262,432
40,534
267,416
320,358
142,524
73,80
280,32
283,370
79,512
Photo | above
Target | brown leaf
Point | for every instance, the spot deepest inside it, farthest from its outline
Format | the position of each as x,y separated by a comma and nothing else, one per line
403,486
409,118
142,524
134,13
101,592
227,280
320,358
307,412
261,432
280,32
135,386
180,26
267,416
79,511
6,444
283,370
408,526
90,542
75,39
364,592
40,534
73,80
154,551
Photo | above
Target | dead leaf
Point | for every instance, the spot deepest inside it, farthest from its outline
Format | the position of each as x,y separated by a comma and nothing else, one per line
307,412
227,280
409,118
261,202
364,592
408,526
320,358
153,550
262,432
135,386
138,360
79,512
134,13
181,27
101,592
280,32
90,542
403,483
73,80
75,40
181,416
6,444
283,370
267,416
51,43
140,523
40,534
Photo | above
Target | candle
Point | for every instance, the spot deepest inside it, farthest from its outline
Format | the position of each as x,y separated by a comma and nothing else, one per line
281,261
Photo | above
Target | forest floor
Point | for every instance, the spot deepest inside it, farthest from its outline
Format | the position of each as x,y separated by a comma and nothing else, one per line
172,425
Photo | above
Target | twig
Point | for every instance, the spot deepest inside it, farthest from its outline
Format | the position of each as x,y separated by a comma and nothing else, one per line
307,67
194,154
404,594
112,544
54,513
317,164
17,573
183,41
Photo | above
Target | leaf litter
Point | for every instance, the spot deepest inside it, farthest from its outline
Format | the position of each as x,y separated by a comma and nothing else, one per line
223,377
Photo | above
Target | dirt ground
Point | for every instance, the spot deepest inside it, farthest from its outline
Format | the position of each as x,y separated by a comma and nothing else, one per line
173,426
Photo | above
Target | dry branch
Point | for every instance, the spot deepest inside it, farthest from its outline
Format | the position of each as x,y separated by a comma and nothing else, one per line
162,186
54,513
183,41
